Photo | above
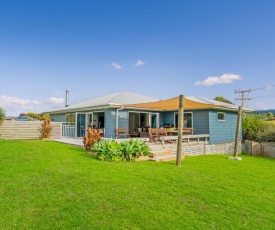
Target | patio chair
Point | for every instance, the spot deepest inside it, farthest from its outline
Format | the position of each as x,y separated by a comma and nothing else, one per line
162,132
153,134
122,132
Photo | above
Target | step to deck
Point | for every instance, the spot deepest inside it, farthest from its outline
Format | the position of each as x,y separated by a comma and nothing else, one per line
160,152
162,158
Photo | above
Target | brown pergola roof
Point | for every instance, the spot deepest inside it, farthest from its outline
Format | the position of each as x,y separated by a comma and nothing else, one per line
173,104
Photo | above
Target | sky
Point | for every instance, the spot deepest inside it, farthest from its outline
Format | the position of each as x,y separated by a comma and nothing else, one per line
155,48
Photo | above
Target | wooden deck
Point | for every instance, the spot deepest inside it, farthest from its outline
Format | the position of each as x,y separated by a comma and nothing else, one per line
161,150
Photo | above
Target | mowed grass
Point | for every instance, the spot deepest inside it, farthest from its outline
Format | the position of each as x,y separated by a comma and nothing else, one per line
48,185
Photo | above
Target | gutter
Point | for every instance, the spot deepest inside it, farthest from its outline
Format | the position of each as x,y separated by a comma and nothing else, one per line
122,107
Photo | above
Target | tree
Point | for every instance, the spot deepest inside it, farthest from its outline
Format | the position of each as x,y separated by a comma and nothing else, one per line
222,99
2,115
36,116
270,116
252,126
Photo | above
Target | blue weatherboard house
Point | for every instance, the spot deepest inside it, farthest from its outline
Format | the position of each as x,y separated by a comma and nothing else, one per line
136,113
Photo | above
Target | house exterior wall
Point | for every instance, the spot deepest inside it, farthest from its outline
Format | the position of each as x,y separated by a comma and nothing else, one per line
168,118
204,122
201,122
58,117
222,131
110,123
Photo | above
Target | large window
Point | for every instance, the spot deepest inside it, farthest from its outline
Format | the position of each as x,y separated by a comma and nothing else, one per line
187,122
70,118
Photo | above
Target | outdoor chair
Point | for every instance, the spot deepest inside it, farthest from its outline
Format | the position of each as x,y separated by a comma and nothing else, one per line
162,132
122,132
153,134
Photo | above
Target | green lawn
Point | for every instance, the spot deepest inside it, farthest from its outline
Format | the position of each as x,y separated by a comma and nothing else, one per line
48,185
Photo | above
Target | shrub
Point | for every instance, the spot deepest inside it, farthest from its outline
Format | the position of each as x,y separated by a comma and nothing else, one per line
2,115
251,126
133,149
267,134
111,150
46,128
108,150
92,137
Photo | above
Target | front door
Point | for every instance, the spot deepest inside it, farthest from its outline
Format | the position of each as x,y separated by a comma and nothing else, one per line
81,124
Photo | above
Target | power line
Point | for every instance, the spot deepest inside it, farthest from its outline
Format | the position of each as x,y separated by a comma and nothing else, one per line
264,96
242,97
267,87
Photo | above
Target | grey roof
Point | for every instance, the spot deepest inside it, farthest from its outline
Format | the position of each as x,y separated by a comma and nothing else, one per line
120,98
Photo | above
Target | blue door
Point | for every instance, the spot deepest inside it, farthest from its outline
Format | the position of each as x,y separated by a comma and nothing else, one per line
81,124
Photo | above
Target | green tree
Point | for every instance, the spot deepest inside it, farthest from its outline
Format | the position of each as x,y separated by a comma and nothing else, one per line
267,134
270,116
251,127
36,116
222,99
2,115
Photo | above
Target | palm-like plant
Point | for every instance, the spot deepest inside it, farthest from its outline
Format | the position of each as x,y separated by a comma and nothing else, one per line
2,115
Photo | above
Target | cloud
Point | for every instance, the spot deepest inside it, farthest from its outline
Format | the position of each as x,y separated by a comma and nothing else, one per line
269,87
56,100
18,105
224,79
139,63
116,65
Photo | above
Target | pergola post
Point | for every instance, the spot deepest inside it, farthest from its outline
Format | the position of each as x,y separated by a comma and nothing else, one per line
180,128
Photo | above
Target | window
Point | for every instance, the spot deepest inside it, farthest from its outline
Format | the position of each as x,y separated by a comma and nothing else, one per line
70,118
188,120
221,116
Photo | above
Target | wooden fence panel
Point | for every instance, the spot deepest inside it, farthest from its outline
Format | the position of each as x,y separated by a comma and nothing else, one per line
27,130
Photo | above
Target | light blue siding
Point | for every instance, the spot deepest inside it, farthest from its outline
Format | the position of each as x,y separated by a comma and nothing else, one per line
222,131
201,122
110,123
168,118
161,119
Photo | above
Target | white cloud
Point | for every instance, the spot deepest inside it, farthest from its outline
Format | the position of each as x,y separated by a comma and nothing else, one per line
139,63
224,79
18,105
116,65
56,100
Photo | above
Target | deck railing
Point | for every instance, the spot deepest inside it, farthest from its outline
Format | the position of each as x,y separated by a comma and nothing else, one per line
68,129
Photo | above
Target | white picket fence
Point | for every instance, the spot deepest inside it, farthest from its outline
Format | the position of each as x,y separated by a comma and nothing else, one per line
27,130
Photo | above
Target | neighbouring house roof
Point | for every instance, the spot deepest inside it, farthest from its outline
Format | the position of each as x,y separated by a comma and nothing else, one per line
111,100
9,118
190,103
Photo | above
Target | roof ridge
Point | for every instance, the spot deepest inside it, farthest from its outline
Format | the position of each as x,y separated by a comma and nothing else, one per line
115,96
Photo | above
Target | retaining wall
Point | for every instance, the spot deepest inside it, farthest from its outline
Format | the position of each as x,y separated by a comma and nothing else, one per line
203,149
259,149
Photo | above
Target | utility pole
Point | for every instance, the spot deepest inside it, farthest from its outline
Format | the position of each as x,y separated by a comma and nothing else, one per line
237,136
243,98
180,128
